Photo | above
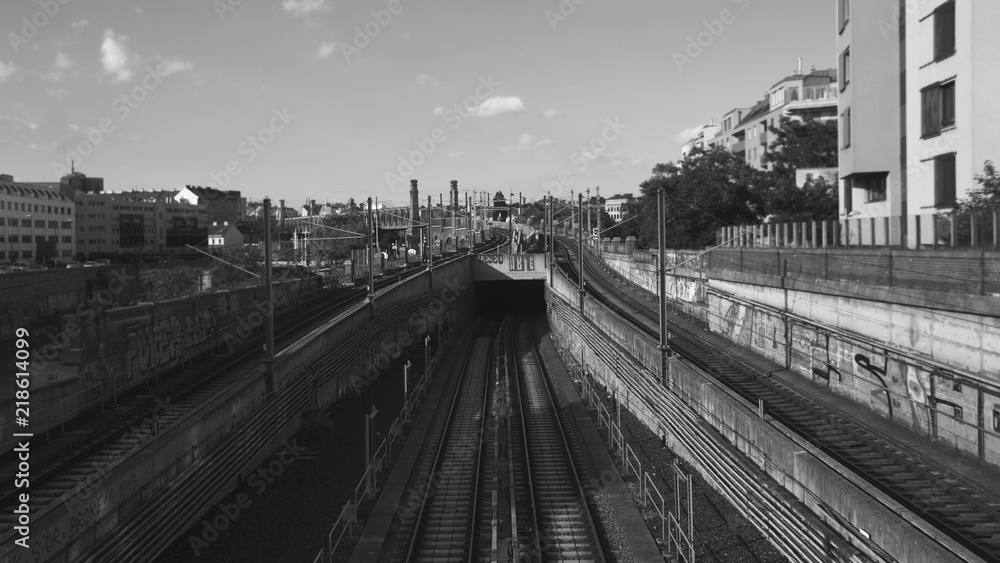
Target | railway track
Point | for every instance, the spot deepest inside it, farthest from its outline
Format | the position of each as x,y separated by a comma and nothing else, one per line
442,527
958,510
563,526
500,483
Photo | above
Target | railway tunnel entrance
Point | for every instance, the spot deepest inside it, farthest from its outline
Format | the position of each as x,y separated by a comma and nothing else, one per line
501,297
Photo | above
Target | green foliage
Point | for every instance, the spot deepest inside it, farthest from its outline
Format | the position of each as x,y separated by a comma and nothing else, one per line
816,200
802,144
705,191
225,276
169,283
987,195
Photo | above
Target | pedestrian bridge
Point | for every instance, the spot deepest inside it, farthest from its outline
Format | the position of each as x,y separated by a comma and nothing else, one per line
501,267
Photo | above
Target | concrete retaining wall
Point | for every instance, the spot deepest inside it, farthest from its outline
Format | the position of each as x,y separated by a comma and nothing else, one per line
795,465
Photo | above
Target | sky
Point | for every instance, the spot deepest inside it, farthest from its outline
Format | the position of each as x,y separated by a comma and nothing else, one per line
330,99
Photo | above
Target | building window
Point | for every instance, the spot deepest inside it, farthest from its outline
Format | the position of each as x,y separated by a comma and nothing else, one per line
944,31
848,195
944,180
938,108
845,128
873,184
845,68
844,13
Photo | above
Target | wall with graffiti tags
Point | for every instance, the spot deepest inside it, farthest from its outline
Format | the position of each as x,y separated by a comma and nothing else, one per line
90,356
957,406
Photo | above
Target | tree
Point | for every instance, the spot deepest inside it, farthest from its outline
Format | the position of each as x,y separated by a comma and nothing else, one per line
800,144
805,143
707,190
249,258
980,202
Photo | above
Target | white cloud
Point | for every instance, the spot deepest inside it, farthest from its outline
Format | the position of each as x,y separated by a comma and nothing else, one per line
497,105
526,143
551,113
303,8
688,134
116,56
439,110
424,79
458,154
168,67
80,24
326,49
7,70
62,61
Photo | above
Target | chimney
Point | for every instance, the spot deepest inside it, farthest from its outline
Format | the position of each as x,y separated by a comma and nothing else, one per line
800,66
281,213
454,195
414,206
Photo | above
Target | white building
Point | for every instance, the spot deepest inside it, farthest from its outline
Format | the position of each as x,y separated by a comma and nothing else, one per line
36,223
919,100
616,206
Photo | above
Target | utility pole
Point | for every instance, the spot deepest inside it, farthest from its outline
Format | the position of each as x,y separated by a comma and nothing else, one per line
580,237
430,248
371,254
599,229
510,220
662,274
552,243
588,216
468,211
268,298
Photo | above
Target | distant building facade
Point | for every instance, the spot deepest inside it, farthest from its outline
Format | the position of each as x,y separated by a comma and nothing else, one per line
36,223
223,206
137,222
224,236
617,206
744,131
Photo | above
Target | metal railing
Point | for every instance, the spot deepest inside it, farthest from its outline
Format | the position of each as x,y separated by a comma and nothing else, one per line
348,518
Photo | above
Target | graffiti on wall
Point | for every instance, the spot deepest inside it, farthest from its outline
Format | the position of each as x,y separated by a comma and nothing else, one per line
166,342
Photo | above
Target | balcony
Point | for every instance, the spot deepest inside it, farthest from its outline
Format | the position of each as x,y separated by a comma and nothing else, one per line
739,147
811,97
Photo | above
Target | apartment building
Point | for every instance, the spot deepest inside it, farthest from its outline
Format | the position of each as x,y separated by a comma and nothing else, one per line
136,223
223,206
744,131
36,223
915,127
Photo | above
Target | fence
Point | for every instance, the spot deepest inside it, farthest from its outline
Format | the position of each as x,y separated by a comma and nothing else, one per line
380,459
978,229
